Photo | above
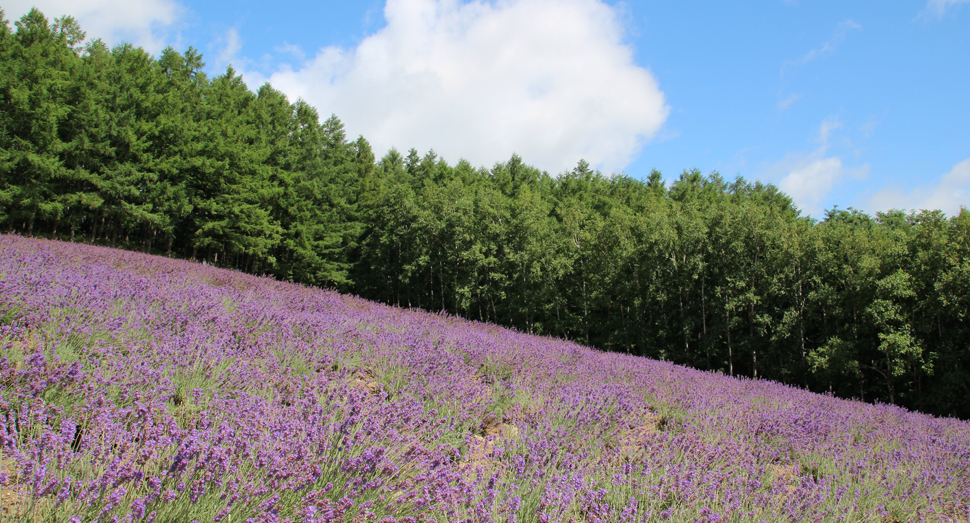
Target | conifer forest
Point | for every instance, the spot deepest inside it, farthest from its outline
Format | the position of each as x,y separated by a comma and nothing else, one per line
120,148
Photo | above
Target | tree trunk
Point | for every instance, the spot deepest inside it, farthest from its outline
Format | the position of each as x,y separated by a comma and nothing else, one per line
754,362
707,346
730,351
754,346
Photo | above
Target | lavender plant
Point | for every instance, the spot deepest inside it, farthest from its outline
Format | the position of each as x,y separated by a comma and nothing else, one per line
145,389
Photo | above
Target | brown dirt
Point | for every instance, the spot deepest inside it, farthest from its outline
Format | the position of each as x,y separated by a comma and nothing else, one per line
12,502
366,381
493,426
786,475
482,445
630,441
478,455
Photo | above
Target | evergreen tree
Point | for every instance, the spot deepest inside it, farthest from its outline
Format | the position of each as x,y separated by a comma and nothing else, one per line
120,148
38,105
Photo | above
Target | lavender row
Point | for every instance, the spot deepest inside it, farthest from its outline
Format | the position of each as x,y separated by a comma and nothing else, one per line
140,388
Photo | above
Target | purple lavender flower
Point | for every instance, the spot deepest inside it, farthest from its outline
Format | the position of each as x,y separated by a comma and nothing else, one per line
130,379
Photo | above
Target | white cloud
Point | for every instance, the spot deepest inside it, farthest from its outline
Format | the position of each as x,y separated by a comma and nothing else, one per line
829,124
792,98
228,46
291,49
869,128
950,193
828,47
140,22
938,8
808,183
810,178
551,80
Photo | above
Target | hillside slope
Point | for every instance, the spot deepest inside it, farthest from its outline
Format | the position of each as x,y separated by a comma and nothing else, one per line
139,388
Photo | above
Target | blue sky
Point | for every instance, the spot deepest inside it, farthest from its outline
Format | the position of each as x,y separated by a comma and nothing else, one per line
850,104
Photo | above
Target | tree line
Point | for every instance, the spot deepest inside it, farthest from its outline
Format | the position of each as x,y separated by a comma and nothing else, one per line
117,147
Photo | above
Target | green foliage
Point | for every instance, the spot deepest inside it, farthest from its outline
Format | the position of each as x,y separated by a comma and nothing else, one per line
116,147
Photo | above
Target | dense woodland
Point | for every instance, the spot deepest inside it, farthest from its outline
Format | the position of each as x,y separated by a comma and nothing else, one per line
120,148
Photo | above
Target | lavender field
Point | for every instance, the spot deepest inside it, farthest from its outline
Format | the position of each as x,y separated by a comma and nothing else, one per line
139,388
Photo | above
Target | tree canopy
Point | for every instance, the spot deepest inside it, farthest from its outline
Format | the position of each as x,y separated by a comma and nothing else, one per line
117,147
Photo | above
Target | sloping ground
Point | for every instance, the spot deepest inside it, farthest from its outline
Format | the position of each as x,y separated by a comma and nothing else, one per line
139,388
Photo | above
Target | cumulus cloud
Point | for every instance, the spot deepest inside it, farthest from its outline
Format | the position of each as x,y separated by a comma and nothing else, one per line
810,182
810,178
951,192
141,22
551,80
